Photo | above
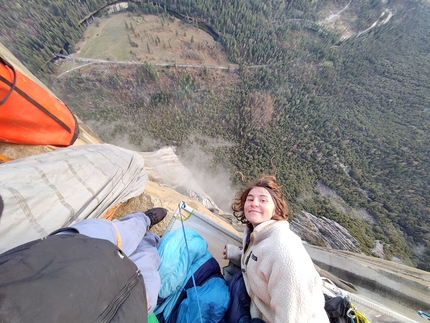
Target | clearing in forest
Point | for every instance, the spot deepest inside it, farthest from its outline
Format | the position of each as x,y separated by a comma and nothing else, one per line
151,38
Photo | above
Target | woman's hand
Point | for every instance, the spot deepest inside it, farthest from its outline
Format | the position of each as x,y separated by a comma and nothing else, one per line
224,253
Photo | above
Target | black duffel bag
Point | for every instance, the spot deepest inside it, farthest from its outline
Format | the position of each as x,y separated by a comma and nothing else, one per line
70,278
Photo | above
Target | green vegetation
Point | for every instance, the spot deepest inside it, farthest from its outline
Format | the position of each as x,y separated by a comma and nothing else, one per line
353,114
35,31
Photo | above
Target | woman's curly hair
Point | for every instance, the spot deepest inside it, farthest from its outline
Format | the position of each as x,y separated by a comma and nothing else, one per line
270,184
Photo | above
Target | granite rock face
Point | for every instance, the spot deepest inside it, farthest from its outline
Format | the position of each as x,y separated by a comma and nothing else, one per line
323,232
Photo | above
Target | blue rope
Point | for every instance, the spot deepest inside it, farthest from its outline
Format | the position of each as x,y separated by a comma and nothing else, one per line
188,255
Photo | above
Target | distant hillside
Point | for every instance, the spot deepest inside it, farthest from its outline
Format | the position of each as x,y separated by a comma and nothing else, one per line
340,103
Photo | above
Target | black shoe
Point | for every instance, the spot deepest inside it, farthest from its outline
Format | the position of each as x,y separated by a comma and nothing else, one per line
156,214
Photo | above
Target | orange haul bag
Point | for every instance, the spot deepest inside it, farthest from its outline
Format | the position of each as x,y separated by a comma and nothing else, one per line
29,114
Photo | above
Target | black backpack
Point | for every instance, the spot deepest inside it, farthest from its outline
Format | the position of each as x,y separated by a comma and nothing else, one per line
337,309
70,278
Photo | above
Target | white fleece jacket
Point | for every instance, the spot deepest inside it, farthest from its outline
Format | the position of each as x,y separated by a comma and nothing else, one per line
279,275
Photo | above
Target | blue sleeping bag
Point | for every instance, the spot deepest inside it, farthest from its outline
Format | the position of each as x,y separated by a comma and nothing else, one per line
178,265
212,302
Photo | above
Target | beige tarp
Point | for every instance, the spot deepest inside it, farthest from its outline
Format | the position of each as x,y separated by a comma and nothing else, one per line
47,191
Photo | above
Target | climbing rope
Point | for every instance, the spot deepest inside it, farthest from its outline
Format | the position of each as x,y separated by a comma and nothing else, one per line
355,316
182,205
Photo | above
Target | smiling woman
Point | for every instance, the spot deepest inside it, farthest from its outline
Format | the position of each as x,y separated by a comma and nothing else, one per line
259,206
258,196
279,275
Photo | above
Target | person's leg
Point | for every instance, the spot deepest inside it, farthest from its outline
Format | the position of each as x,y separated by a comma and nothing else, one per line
96,228
132,229
147,259
138,244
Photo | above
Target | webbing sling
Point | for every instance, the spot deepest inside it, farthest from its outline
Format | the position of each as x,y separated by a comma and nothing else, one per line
13,84
118,237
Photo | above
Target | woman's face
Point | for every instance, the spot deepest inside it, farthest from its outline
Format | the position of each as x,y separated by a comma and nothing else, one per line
259,206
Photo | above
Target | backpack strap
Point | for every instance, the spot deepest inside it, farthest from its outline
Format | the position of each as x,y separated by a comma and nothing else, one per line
12,87
71,230
118,237
65,229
